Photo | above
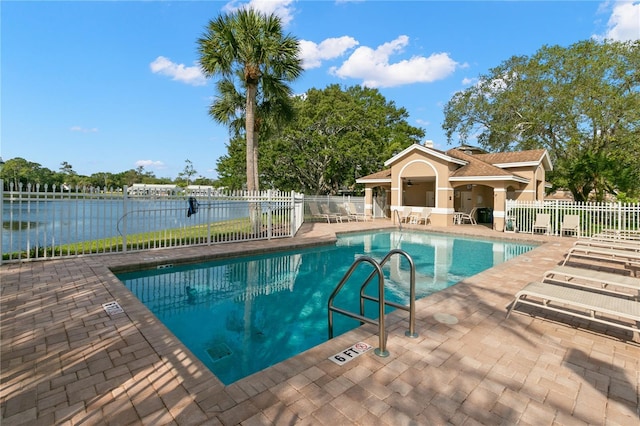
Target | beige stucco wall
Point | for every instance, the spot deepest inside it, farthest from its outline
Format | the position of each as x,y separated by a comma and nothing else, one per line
534,190
428,173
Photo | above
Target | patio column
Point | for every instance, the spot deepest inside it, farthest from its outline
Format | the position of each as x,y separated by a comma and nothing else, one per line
368,202
499,200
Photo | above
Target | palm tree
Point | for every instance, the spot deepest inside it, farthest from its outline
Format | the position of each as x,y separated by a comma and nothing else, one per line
255,60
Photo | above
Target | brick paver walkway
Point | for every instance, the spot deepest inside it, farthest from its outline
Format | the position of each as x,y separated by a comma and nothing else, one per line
64,361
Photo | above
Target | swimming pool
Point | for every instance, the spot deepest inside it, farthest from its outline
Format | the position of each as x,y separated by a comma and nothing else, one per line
239,316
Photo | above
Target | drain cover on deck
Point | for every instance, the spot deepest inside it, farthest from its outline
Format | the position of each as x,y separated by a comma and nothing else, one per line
219,351
445,318
112,308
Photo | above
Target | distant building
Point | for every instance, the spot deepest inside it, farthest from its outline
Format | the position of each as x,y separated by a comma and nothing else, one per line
152,189
201,190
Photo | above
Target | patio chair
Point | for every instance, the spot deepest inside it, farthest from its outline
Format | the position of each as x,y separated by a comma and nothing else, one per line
590,278
543,223
343,214
582,304
405,216
315,212
423,216
629,258
330,215
610,244
570,223
615,234
471,217
353,213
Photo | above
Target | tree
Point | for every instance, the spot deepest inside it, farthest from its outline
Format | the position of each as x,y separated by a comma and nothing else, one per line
255,60
18,171
338,135
188,172
232,167
70,177
581,103
102,179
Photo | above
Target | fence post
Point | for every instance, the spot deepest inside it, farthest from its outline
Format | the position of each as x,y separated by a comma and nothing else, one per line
125,193
292,216
269,213
1,210
619,216
209,204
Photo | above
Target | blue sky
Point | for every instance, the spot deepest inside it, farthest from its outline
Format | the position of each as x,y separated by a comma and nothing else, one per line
112,85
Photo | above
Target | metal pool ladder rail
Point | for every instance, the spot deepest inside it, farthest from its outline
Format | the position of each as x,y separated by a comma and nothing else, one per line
382,335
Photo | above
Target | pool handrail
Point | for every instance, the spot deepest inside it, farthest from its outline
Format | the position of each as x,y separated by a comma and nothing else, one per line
412,292
397,215
382,303
381,351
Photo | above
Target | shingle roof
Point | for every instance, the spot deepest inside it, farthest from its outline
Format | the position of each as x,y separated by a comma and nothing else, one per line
382,174
475,166
478,165
512,157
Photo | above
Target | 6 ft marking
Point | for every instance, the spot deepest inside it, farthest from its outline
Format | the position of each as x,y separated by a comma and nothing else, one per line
350,353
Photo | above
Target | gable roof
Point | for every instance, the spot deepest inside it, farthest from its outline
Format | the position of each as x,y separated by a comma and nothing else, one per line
383,176
527,158
475,168
491,166
425,150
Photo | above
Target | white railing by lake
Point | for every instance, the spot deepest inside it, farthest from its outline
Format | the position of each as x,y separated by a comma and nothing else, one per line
41,222
594,217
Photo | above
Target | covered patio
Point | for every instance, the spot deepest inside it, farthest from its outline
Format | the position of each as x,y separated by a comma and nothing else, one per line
460,180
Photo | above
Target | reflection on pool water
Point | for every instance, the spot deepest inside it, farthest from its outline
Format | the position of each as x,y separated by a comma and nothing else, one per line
242,315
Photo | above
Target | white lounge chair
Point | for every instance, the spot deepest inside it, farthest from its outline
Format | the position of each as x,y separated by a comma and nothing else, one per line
574,302
353,212
612,238
542,223
588,278
423,216
610,244
463,217
405,216
619,234
331,215
571,224
629,258
315,212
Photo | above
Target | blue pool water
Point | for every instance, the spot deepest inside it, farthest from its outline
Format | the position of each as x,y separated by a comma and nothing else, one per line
242,315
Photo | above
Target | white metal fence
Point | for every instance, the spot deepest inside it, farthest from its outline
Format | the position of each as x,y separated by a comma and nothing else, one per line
41,222
594,217
334,203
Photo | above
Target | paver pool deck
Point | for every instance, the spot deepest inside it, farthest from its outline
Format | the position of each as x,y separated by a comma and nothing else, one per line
65,361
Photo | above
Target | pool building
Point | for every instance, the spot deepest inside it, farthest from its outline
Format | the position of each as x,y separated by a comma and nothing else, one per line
463,179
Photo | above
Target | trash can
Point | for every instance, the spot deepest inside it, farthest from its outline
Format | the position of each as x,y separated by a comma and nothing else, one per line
484,215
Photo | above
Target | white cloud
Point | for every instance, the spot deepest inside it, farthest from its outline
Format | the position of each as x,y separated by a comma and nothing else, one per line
83,129
189,75
281,8
467,81
150,164
624,23
313,54
374,68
